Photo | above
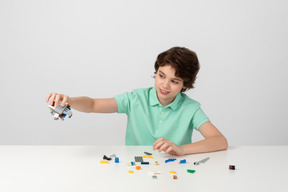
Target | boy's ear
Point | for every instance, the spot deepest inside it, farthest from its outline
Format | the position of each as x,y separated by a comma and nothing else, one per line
183,88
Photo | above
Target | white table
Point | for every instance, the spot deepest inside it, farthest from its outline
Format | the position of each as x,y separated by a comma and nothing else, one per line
78,168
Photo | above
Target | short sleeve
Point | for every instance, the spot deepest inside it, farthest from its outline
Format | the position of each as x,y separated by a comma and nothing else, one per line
199,118
123,102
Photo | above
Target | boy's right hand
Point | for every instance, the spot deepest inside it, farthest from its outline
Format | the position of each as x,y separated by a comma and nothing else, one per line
57,98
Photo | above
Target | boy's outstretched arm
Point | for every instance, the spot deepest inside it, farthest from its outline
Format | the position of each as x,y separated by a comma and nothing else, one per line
84,104
214,141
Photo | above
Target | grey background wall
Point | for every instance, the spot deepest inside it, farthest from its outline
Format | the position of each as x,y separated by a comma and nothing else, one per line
104,48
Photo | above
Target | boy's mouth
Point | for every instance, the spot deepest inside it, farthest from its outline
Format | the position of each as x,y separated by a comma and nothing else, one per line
163,92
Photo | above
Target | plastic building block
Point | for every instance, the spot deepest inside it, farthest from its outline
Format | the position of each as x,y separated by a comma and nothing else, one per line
232,167
116,159
112,155
202,161
151,173
148,156
170,160
172,172
130,171
107,158
145,163
174,176
138,159
156,163
131,163
154,173
154,177
138,167
182,161
60,112
190,171
104,162
148,153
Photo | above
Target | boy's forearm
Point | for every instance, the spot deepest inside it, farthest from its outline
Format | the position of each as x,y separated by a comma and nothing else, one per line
216,143
82,104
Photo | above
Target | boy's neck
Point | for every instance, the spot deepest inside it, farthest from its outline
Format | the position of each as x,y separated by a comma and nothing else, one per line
164,103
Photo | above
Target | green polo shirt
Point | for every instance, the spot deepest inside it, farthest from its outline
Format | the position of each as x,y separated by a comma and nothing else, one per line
148,120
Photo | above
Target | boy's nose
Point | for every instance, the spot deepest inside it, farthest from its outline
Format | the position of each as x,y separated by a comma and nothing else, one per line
165,84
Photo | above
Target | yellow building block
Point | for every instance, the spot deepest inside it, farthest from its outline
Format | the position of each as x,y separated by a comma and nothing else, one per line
148,156
104,162
172,172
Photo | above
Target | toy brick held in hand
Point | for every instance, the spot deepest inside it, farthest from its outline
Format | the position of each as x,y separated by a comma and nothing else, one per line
60,112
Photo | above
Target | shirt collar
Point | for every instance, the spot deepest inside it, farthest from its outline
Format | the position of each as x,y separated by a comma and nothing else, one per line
154,100
153,97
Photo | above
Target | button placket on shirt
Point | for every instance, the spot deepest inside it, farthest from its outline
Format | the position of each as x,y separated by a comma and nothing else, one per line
160,121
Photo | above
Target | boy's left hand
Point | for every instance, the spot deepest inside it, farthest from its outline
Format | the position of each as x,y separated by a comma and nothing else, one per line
168,147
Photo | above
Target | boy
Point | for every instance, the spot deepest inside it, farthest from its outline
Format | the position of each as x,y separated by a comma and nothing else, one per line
162,116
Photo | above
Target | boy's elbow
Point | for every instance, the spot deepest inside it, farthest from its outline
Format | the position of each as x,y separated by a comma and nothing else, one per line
224,143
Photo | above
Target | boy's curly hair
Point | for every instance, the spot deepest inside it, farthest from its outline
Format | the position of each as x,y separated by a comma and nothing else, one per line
184,61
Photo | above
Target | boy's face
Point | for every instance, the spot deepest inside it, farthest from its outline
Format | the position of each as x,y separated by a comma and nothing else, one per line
167,84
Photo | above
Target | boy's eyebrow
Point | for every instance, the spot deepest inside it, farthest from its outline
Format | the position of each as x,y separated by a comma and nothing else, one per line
172,78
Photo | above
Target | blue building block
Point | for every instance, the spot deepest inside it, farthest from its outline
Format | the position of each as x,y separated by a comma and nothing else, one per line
183,161
116,159
169,160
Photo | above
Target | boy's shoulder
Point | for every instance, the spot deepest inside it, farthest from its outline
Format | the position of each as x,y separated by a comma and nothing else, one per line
188,101
138,93
141,91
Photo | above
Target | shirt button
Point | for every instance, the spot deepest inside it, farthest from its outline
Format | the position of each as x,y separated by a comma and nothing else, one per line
160,122
162,112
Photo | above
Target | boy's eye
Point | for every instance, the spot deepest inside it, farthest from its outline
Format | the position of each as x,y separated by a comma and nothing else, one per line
174,82
161,75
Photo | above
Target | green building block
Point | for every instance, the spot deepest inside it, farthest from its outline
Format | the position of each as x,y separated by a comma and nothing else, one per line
190,171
